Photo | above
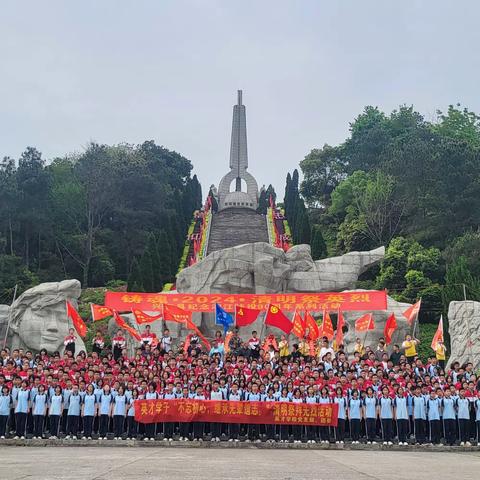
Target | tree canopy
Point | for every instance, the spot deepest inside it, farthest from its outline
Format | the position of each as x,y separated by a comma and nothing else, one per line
95,216
407,183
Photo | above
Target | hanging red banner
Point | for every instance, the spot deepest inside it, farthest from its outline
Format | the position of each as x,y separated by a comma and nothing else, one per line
223,411
329,301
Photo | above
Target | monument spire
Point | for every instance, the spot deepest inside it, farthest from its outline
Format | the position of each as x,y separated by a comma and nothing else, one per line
238,163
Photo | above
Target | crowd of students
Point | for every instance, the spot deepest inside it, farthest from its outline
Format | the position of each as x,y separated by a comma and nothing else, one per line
382,396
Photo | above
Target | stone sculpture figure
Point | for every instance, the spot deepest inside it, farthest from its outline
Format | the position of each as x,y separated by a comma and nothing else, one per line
464,331
261,268
39,319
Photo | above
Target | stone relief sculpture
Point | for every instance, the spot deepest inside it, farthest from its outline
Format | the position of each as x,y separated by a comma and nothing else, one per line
262,268
464,331
39,319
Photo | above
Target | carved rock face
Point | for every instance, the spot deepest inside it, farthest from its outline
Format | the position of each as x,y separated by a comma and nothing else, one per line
39,319
464,330
262,268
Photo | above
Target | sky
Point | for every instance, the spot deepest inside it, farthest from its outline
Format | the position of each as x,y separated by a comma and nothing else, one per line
117,71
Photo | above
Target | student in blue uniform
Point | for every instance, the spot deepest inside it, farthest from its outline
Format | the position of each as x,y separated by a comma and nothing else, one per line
73,414
234,395
284,435
401,416
370,414
385,408
5,405
55,410
104,411
297,429
354,416
433,411
311,398
198,427
119,411
342,402
39,410
132,428
449,418
215,427
22,404
151,394
419,416
463,414
89,411
253,429
476,405
324,431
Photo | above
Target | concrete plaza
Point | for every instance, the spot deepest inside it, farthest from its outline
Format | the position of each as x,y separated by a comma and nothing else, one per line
94,463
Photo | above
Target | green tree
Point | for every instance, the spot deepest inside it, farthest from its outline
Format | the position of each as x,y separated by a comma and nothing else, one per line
135,278
323,169
318,245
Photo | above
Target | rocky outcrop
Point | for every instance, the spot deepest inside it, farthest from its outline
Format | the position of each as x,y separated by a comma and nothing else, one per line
39,317
464,331
262,268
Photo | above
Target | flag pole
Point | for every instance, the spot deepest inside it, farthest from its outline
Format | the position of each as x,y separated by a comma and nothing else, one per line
416,318
10,315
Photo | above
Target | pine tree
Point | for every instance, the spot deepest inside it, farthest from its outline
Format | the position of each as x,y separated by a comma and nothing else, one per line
196,193
318,245
262,203
156,266
134,283
168,262
146,272
271,193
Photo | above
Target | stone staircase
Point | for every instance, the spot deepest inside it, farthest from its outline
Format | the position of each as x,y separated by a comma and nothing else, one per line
236,226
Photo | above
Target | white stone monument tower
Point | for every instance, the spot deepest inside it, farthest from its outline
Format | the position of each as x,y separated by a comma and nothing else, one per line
238,166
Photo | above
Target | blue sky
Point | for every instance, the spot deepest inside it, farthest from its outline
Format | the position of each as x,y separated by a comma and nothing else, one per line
127,71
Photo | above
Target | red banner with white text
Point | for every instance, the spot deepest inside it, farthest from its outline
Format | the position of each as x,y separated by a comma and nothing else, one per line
324,301
224,411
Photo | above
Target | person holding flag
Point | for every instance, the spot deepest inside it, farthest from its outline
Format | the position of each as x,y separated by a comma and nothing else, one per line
438,346
410,346
69,341
118,344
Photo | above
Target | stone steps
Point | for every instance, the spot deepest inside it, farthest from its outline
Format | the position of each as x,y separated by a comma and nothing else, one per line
236,226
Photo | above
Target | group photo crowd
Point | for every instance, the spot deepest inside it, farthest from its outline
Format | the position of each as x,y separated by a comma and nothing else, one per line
384,394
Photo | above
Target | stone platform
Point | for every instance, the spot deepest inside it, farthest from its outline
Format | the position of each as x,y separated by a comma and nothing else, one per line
129,443
218,463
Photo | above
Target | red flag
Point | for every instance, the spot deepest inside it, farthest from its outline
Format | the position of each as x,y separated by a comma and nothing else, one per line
77,320
186,344
390,327
298,328
276,318
327,326
245,316
226,343
142,317
312,327
411,313
125,326
172,313
438,337
364,323
340,325
99,312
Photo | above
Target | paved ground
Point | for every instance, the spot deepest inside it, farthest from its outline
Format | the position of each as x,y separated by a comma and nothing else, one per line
93,463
